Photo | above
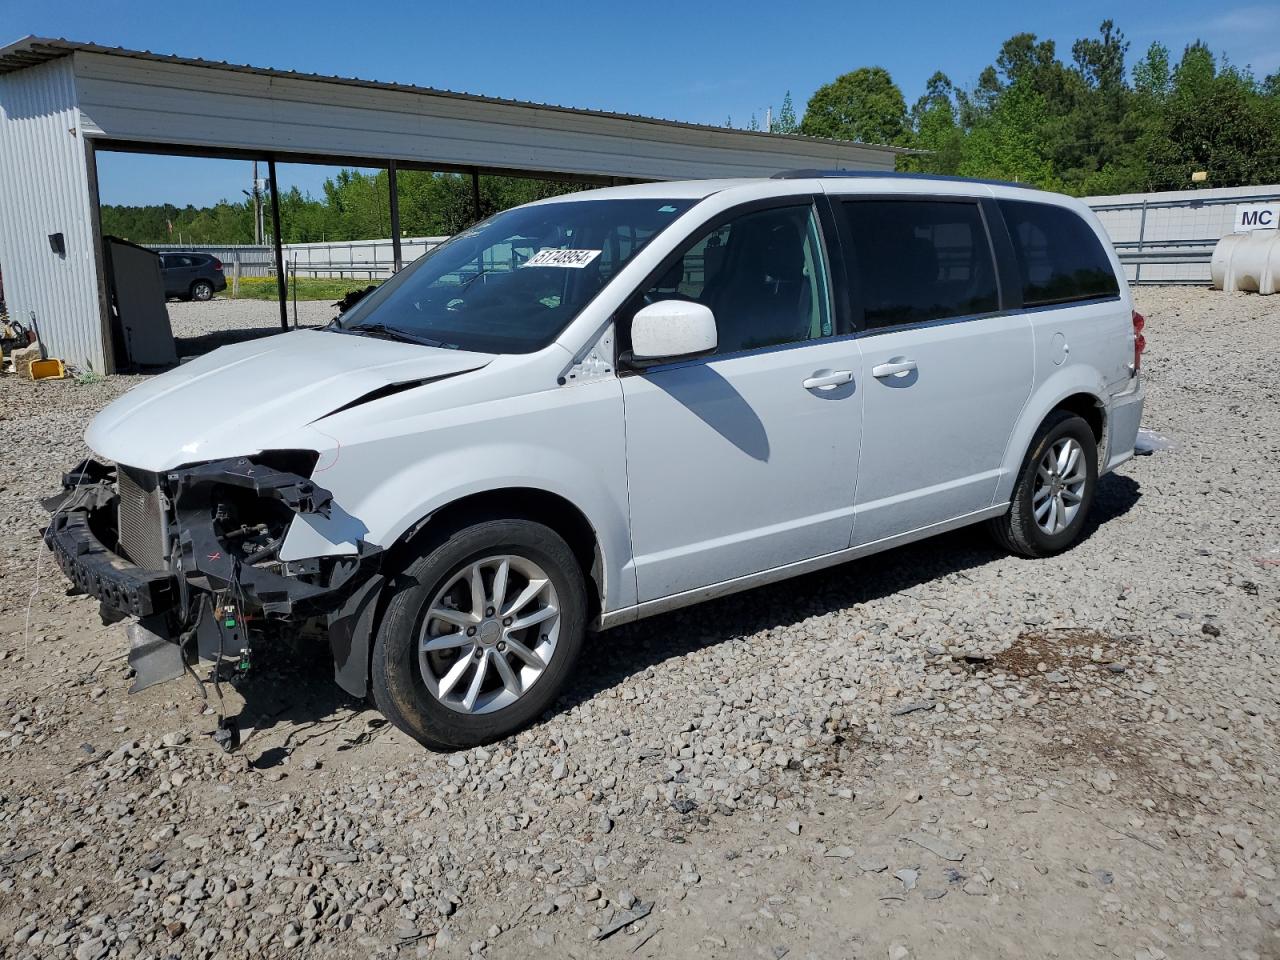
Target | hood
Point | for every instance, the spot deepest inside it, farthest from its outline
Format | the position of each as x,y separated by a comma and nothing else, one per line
248,397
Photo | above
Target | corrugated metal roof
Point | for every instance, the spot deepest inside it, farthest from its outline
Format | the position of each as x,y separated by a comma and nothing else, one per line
34,50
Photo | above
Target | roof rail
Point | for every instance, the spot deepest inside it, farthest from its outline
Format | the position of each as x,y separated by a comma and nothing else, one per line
893,175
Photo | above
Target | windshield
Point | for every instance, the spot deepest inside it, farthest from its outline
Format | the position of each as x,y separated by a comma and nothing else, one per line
513,282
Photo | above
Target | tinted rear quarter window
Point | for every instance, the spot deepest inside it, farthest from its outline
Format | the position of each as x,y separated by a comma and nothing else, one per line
918,260
1060,258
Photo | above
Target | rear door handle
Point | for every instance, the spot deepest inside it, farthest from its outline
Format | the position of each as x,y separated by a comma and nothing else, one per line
826,379
892,368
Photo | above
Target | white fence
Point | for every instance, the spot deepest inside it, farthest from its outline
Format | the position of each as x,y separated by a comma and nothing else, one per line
353,259
1169,237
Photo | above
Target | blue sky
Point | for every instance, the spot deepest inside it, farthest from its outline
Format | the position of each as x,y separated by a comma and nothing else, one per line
698,62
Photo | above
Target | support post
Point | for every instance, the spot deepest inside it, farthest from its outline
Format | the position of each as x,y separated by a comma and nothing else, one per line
475,195
397,259
1142,239
282,283
110,362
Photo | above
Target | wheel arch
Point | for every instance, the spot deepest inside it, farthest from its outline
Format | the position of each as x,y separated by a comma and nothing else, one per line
516,503
1091,410
1077,389
353,627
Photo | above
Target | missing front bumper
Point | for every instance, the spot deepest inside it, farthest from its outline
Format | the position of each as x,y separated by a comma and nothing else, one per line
82,535
80,514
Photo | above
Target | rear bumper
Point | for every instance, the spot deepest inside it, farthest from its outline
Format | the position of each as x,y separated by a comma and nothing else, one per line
1123,420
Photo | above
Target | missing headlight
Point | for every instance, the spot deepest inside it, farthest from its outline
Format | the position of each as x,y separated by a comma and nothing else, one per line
232,516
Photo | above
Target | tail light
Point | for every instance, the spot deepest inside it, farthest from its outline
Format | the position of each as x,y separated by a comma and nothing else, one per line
217,265
1139,341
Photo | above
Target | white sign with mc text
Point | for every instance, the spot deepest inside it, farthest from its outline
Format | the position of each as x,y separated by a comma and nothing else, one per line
1257,216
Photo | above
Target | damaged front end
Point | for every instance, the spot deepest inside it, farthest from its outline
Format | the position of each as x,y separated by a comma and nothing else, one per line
194,554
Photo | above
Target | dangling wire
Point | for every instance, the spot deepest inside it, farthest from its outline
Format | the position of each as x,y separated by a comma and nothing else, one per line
183,639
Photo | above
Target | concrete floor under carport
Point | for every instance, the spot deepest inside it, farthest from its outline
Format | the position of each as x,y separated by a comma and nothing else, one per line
61,102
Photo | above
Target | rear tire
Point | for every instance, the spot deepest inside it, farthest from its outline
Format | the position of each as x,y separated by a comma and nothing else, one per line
439,634
1055,489
202,290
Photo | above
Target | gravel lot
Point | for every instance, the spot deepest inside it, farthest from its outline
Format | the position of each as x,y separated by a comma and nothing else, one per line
938,752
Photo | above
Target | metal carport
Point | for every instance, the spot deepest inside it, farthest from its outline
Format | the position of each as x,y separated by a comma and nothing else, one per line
61,101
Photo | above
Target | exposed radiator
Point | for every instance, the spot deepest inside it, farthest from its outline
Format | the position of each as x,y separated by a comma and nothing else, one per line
141,519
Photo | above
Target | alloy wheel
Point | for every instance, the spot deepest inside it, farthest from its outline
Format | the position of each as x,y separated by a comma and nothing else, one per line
1059,487
489,634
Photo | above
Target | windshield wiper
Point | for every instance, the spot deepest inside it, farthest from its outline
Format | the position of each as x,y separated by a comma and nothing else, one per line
392,333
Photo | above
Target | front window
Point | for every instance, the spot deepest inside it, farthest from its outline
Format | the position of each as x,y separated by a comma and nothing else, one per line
513,282
761,274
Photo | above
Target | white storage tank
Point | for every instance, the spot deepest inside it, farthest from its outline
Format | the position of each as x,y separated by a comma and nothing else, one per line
1247,261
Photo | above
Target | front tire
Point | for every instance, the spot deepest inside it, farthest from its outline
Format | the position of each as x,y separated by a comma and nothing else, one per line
1054,491
481,635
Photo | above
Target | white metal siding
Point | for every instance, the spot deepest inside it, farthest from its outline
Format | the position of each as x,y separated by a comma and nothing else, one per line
136,100
43,190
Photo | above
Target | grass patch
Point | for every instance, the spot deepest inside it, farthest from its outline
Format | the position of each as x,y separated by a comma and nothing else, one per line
309,288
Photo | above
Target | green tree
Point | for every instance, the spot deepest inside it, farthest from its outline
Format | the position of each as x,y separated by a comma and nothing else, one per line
936,130
1007,145
785,121
1101,60
863,105
1219,121
1152,76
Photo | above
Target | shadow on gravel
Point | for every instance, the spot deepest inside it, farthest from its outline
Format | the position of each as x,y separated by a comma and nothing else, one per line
290,692
613,657
296,692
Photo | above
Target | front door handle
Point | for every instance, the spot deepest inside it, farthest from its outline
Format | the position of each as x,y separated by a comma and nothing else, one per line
826,379
893,368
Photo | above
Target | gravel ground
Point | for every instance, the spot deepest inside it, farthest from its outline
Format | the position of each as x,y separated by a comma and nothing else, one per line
938,752
200,327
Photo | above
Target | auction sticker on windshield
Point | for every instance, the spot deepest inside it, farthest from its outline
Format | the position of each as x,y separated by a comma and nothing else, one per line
554,257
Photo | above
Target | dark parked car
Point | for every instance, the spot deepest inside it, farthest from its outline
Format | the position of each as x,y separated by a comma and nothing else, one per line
191,276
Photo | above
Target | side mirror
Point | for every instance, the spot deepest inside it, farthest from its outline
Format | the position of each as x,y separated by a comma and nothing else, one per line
671,330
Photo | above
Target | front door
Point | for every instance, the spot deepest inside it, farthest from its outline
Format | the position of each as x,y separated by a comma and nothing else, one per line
745,460
945,374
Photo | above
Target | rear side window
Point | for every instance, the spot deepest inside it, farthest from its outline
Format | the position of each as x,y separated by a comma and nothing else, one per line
918,260
1059,256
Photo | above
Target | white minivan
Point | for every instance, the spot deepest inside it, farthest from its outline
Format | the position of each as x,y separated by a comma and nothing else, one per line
603,406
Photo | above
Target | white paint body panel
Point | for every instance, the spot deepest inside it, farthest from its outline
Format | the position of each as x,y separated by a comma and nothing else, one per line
672,328
1099,339
735,467
253,396
934,438
698,478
